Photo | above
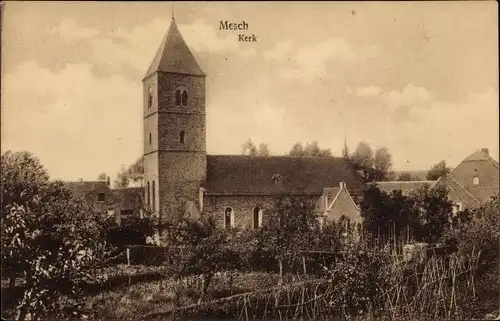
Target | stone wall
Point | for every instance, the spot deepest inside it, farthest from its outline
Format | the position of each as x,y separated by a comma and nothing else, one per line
243,208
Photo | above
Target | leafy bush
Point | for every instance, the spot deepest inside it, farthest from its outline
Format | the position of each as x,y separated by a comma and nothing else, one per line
481,232
359,277
51,240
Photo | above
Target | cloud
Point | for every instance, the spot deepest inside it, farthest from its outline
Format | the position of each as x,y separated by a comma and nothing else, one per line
311,60
445,130
69,29
228,128
135,48
280,50
411,95
368,91
74,121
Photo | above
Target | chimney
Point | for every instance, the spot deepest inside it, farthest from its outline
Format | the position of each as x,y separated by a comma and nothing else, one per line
80,180
342,185
485,150
108,181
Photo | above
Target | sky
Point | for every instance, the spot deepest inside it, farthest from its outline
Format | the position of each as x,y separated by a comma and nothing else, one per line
420,78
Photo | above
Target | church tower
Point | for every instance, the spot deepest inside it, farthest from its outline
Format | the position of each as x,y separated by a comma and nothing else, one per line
174,127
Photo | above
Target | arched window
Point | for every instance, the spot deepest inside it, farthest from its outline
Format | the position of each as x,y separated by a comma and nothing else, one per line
178,97
343,224
150,97
184,98
257,217
148,195
154,194
228,218
182,135
475,180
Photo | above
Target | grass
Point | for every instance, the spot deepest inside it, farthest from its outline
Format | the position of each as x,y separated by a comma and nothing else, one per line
162,295
132,292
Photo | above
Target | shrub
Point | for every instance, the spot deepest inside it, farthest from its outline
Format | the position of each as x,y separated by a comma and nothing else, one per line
51,240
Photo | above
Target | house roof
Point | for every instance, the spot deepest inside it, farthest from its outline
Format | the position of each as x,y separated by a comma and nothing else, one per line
329,194
80,187
270,175
457,192
128,197
406,187
174,55
480,156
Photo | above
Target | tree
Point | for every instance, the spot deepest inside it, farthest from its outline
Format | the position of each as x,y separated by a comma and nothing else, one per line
382,164
23,176
406,177
263,150
362,159
289,229
437,171
132,230
51,239
311,149
102,177
136,171
297,150
200,248
362,156
376,167
249,148
435,211
122,178
389,215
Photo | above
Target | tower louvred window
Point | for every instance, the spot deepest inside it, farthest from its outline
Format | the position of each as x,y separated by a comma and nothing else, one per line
184,98
178,97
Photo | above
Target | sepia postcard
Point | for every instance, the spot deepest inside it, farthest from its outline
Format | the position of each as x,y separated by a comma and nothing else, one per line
250,160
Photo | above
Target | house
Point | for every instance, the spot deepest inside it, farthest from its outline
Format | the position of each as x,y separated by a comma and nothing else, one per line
121,202
237,190
479,174
127,202
96,192
336,203
472,183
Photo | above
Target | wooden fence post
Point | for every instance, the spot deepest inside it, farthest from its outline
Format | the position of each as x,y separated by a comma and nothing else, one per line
304,265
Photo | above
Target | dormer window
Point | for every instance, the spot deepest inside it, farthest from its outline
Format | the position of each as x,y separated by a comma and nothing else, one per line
181,97
475,180
277,178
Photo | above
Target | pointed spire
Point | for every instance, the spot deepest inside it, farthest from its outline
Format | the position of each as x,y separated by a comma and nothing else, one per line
174,55
345,150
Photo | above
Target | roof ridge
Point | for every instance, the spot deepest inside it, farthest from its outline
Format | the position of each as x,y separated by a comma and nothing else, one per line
276,156
426,181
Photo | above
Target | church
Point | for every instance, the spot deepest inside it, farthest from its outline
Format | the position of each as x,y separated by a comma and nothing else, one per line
180,177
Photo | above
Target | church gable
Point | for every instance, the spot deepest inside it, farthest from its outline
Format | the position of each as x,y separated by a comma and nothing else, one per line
344,205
